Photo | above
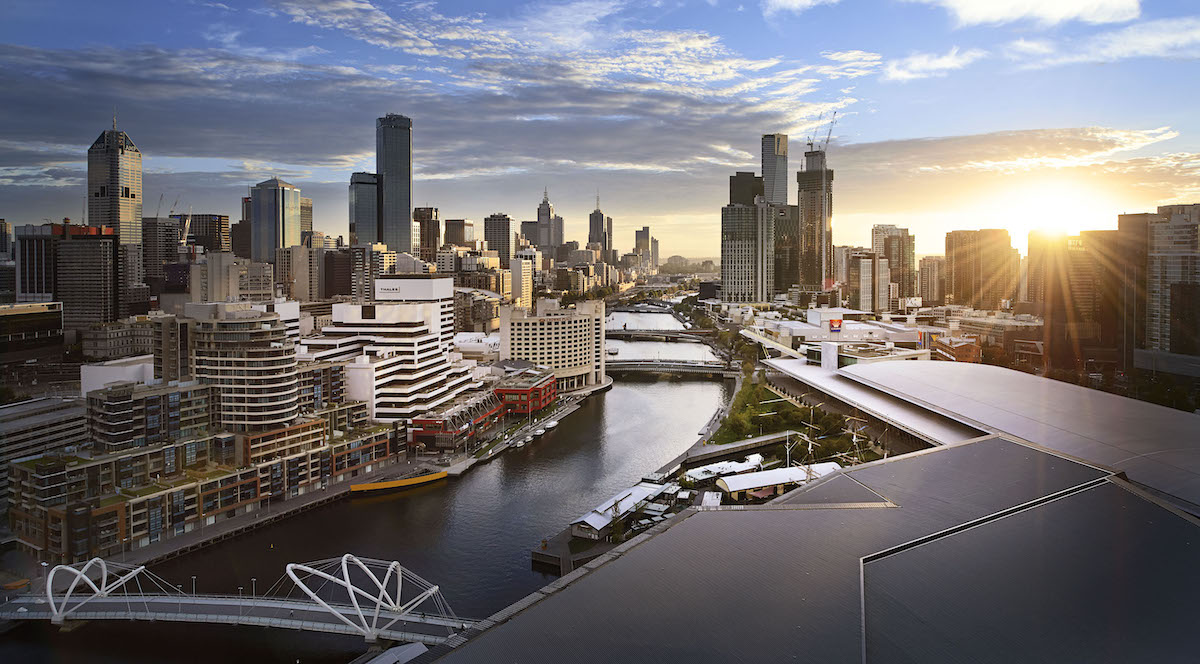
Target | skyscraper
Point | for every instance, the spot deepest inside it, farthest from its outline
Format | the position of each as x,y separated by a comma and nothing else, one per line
775,168
898,246
498,233
459,231
305,216
364,208
430,233
868,281
744,186
933,280
393,166
787,247
115,185
210,231
982,268
747,252
1173,279
275,218
597,232
1132,232
160,245
815,200
654,251
641,241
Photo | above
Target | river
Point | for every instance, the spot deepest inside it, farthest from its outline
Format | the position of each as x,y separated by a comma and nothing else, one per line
471,536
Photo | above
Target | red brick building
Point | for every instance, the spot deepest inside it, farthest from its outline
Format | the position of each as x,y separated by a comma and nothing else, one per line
527,391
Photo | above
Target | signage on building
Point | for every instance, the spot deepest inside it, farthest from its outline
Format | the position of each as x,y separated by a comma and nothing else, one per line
835,324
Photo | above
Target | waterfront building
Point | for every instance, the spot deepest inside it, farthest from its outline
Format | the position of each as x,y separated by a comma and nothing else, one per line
429,234
498,232
569,341
748,252
775,168
38,426
815,200
210,231
250,358
454,425
397,347
126,414
932,280
275,218
364,209
114,184
393,167
982,268
30,330
527,390
459,232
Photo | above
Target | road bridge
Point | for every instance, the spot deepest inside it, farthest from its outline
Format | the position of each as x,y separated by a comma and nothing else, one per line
705,367
657,335
378,600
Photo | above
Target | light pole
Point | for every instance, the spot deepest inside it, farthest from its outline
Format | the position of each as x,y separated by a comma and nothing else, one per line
253,587
239,601
193,584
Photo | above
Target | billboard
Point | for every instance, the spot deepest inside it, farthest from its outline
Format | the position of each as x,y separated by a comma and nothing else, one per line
835,324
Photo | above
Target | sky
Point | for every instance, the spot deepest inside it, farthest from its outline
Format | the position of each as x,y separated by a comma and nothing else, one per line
951,114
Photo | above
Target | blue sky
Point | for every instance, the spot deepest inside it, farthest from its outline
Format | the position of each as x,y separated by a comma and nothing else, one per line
951,113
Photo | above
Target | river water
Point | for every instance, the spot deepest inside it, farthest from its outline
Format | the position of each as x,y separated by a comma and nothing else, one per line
472,536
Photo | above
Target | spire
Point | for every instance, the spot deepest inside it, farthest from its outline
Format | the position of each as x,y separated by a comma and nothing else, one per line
597,198
546,195
114,118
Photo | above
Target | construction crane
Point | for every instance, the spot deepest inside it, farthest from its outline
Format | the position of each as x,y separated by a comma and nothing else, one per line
828,134
173,206
158,209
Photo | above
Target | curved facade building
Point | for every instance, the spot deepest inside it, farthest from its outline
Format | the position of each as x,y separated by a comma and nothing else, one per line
250,357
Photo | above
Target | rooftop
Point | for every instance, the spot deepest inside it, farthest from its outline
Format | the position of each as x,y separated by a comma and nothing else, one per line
952,554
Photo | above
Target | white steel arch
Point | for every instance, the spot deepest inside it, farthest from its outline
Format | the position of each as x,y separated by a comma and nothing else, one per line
378,598
60,603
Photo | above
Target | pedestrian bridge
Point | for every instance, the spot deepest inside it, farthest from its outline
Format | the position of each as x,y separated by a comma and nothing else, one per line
656,335
375,599
669,366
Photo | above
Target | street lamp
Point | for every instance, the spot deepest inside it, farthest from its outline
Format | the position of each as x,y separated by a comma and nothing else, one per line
239,601
253,587
193,584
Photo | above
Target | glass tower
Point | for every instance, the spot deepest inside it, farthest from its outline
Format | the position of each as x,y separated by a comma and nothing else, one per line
393,166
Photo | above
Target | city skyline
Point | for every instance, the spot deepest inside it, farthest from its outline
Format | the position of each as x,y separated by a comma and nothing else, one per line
994,117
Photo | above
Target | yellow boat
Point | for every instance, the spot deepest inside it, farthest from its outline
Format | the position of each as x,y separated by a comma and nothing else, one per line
399,484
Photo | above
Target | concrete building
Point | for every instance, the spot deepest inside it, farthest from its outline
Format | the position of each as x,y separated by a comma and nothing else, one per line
38,426
298,272
89,281
498,232
114,185
569,341
122,415
898,246
868,282
476,310
250,359
275,218
747,252
775,168
364,209
223,277
161,239
522,282
393,167
367,263
1172,278
306,216
397,347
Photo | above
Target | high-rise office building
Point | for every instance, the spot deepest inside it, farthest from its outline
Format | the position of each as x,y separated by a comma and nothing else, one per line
393,167
498,233
88,280
6,240
364,209
115,185
654,252
549,225
932,280
868,282
641,241
210,231
787,247
1132,255
815,200
898,246
1064,280
305,215
459,232
747,252
274,218
775,168
1172,278
522,270
597,230
982,268
429,233
36,255
744,187
161,239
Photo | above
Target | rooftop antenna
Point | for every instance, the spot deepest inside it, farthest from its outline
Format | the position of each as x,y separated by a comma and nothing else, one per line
597,198
114,118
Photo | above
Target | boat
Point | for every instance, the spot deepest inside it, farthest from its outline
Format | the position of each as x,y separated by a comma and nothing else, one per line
613,351
551,424
398,484
539,432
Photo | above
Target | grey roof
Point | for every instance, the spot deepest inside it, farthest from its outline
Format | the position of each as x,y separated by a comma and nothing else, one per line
932,427
1035,543
1156,446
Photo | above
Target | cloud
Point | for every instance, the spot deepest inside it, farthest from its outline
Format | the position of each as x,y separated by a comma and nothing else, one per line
926,65
1045,12
1163,38
772,7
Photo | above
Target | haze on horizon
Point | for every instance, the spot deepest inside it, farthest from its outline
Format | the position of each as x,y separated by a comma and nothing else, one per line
951,113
